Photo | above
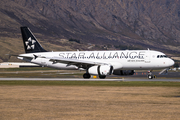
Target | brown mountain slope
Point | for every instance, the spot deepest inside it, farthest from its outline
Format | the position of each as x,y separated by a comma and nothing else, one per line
150,24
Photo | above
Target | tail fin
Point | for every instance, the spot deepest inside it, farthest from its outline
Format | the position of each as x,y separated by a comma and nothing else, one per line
31,45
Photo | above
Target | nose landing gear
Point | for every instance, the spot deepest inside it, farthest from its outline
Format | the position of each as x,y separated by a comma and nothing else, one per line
150,75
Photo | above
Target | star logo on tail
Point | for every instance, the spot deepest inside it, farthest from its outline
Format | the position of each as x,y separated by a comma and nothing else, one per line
30,44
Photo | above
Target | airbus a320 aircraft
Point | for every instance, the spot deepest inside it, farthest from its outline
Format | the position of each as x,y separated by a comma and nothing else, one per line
101,63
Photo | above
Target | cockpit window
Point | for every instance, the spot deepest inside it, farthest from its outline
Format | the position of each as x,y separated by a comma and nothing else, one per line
161,56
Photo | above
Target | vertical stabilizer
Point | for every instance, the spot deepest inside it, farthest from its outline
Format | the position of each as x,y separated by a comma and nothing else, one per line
31,44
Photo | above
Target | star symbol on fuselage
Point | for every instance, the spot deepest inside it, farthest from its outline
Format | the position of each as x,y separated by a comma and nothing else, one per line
30,43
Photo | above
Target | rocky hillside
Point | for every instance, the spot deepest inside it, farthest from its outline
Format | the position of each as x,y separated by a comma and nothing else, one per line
153,24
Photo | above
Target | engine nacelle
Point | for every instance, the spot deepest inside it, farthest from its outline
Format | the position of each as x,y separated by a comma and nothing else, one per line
101,70
123,72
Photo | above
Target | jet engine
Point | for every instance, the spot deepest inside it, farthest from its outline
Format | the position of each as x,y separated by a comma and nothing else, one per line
101,70
123,72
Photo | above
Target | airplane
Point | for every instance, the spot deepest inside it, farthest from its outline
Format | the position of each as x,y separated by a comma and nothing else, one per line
100,63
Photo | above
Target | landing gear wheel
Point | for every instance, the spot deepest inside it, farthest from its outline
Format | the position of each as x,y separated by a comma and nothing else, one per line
102,76
86,75
150,76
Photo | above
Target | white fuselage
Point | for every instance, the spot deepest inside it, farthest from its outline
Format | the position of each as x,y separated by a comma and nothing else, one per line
120,60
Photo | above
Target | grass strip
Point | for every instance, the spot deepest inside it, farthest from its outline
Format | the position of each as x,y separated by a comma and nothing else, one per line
91,83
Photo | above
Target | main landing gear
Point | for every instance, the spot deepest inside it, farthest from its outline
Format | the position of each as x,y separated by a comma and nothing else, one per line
87,76
102,76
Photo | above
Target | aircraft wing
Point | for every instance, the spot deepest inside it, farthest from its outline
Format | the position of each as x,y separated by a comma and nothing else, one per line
77,62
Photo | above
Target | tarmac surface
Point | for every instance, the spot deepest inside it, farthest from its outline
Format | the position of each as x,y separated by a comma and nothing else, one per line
81,79
138,76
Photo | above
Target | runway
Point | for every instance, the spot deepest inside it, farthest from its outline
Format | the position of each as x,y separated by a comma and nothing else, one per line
81,79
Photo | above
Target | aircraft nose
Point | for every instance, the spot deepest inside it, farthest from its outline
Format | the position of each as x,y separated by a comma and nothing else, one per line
171,62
